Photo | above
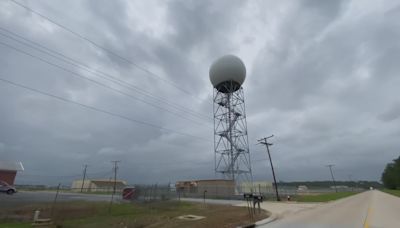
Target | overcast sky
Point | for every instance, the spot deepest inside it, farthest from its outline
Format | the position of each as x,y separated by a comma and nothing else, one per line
322,76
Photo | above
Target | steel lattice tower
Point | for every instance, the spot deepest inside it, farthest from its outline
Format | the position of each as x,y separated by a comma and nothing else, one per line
232,156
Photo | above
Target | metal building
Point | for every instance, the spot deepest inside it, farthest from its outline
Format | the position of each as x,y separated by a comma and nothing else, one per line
97,185
8,171
214,188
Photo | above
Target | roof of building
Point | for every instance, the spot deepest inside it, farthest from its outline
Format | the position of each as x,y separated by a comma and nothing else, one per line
107,181
214,180
103,181
11,166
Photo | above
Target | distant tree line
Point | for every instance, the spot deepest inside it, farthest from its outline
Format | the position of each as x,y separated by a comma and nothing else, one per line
391,174
328,184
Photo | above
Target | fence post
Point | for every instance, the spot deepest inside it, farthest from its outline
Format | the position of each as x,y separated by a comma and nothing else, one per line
55,200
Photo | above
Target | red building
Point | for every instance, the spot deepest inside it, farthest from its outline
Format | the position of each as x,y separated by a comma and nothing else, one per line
8,171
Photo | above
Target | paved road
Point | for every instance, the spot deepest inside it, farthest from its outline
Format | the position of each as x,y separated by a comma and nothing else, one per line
367,209
26,197
216,201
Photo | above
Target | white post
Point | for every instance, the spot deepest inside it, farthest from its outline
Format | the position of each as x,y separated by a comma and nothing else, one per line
36,215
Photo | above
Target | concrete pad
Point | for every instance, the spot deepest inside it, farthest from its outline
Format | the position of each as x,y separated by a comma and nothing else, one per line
191,217
281,209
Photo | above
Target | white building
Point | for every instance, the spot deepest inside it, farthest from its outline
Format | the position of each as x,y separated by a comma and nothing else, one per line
97,185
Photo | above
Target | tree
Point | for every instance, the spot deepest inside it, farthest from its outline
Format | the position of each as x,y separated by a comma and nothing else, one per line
391,175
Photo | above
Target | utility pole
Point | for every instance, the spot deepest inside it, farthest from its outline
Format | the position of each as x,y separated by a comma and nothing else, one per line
115,175
351,182
265,142
84,176
115,183
333,179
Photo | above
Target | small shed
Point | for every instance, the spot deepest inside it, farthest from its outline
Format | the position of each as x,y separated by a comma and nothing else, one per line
8,171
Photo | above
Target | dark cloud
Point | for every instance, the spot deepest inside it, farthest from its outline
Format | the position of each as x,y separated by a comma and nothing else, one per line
322,77
391,114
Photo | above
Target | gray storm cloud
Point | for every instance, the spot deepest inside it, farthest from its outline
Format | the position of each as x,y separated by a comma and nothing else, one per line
322,77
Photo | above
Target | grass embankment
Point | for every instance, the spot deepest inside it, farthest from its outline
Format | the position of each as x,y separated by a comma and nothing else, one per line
324,197
155,214
393,192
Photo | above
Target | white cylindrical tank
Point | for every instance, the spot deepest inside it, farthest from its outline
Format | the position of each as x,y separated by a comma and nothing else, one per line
227,69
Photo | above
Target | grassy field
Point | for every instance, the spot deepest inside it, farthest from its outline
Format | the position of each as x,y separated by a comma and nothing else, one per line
155,214
323,197
15,225
393,192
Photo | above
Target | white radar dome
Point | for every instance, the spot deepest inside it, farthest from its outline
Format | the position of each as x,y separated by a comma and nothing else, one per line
227,70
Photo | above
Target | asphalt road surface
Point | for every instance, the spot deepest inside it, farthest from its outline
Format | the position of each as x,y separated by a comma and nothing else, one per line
27,197
368,209
215,201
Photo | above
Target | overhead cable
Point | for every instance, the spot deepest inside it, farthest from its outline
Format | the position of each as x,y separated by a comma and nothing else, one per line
96,82
97,45
60,56
99,109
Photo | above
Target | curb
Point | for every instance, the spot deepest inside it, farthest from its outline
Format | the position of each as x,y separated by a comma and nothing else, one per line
261,222
270,219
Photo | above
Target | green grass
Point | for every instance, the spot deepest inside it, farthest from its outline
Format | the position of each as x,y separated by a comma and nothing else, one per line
16,225
393,192
324,197
154,214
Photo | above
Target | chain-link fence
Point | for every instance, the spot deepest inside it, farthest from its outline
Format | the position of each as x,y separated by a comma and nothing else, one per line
155,192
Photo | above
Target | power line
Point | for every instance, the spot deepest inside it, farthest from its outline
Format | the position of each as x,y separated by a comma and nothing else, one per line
98,109
103,48
96,82
79,64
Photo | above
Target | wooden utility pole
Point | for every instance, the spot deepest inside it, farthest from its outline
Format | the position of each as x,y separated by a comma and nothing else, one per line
84,176
265,142
115,183
115,174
